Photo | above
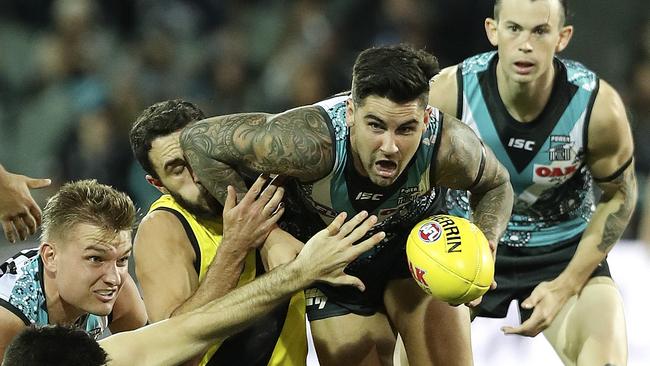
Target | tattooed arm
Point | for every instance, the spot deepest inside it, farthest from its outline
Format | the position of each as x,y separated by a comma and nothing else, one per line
463,162
609,157
296,143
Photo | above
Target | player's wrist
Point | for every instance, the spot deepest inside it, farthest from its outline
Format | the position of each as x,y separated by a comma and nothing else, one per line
302,273
234,248
570,283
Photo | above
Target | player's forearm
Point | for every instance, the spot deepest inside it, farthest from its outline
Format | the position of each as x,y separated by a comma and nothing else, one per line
176,339
222,276
605,228
492,210
241,306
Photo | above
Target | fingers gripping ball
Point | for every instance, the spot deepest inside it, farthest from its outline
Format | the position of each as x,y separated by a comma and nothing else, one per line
450,258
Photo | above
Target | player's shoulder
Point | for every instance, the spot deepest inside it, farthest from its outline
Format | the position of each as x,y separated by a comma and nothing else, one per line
608,111
20,290
443,90
334,102
160,228
477,63
453,127
445,76
579,75
159,219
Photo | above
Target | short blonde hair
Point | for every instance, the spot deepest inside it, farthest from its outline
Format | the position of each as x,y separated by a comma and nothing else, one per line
87,202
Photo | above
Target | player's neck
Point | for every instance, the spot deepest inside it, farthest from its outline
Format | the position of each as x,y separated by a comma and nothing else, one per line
58,311
525,101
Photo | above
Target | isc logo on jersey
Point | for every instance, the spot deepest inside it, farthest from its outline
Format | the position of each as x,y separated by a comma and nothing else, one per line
554,173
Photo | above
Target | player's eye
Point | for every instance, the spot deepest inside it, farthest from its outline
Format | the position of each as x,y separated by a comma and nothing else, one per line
178,169
540,31
513,28
123,261
406,130
375,126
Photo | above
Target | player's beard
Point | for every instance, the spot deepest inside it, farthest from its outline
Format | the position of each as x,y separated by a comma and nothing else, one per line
210,209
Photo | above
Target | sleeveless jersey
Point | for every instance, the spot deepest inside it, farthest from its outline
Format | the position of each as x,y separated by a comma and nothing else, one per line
545,157
399,206
276,339
22,292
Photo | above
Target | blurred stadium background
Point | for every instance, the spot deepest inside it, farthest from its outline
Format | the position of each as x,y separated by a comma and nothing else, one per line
74,74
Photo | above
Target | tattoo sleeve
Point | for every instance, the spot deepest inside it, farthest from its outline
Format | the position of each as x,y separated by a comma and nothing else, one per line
622,192
296,143
492,199
458,167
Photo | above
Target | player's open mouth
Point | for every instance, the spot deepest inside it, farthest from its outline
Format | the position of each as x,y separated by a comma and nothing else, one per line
524,67
105,295
386,168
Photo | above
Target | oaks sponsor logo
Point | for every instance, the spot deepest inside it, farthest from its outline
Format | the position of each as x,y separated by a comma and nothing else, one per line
554,173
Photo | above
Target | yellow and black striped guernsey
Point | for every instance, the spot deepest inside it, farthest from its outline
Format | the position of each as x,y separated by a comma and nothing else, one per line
276,339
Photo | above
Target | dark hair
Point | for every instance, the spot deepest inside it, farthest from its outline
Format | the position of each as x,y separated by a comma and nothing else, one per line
54,346
564,15
87,202
399,73
160,119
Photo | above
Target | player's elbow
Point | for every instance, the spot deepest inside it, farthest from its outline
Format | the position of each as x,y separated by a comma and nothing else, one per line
503,178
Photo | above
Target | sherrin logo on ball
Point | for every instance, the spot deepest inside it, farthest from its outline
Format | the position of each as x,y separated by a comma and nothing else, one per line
450,258
430,232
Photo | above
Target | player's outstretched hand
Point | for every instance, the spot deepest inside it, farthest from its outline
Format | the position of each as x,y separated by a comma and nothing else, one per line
546,300
19,214
247,223
327,253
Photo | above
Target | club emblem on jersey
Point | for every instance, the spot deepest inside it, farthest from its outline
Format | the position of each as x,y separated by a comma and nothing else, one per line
560,148
407,194
430,232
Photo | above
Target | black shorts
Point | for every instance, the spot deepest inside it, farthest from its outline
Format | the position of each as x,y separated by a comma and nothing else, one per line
520,269
390,263
375,268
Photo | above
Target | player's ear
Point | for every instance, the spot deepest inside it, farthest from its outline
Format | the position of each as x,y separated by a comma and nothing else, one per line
565,36
156,183
47,252
349,112
427,114
491,31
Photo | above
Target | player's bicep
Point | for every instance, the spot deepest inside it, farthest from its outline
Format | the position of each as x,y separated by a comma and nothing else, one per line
610,147
463,161
164,264
296,143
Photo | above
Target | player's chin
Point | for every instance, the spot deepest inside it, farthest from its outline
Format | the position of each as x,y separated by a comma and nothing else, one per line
382,181
101,308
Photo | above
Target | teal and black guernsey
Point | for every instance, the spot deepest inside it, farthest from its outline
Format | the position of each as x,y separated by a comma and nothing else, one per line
545,157
399,206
